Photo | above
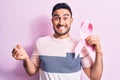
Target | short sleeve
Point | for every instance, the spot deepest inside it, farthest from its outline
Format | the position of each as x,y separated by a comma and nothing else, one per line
87,59
35,58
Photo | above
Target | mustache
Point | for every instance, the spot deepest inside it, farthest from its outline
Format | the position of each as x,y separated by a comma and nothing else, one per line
59,25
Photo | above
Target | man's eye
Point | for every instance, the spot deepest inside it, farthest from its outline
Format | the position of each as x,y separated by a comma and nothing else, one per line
56,18
66,18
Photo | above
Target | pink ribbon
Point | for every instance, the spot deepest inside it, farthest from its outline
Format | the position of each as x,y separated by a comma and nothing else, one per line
82,48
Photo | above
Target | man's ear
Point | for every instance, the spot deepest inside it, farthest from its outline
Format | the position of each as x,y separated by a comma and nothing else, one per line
52,20
71,20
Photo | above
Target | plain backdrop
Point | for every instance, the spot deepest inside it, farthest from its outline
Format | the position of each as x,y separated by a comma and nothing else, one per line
24,21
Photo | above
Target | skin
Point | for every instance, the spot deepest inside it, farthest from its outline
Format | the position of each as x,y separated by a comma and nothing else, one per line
61,21
95,72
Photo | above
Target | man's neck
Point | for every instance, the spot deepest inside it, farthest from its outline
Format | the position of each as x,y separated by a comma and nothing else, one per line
61,36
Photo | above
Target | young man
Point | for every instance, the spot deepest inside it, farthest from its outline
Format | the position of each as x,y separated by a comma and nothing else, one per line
55,53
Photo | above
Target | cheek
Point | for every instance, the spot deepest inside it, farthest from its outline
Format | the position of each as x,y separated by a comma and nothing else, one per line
68,23
55,23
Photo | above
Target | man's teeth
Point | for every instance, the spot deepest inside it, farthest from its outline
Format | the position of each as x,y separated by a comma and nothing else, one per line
62,27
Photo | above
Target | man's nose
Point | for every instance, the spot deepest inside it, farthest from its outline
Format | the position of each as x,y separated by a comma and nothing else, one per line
61,22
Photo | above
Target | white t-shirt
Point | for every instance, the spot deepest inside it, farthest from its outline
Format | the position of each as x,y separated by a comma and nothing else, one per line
57,59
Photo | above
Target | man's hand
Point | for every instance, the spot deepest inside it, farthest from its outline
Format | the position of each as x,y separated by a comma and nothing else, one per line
19,53
95,42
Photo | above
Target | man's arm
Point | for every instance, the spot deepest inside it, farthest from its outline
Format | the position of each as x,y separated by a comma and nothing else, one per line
20,54
30,67
95,71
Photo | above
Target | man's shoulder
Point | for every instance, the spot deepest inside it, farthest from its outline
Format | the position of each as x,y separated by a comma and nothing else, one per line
74,40
44,38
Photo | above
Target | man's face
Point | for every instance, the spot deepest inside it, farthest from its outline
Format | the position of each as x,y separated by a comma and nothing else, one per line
61,21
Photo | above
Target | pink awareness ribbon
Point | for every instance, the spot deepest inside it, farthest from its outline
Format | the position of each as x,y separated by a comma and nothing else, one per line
85,31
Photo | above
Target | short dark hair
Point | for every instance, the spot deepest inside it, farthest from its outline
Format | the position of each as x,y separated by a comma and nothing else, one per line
62,6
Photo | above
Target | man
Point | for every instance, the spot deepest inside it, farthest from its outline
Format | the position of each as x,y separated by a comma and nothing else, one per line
55,53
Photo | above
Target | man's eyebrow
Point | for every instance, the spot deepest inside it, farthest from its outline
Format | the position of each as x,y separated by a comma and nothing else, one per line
66,15
55,15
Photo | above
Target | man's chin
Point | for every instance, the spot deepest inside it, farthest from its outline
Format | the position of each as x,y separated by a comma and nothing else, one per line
61,33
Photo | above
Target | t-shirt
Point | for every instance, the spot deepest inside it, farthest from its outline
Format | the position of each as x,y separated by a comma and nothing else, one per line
57,59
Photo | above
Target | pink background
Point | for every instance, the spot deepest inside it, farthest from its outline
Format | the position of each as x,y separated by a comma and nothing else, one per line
23,21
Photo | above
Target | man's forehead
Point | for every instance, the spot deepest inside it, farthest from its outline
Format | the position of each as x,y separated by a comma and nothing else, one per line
61,12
